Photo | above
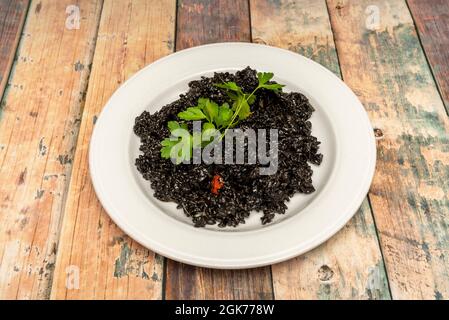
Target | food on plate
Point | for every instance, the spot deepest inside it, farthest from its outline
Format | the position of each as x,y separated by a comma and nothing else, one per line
234,143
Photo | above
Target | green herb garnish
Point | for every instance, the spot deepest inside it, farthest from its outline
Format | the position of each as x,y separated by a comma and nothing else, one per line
242,100
178,145
219,118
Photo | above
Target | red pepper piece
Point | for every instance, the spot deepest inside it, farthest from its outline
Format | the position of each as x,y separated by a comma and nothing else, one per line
216,184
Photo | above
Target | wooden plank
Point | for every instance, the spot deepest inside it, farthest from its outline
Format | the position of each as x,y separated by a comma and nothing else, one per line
12,17
432,20
207,21
201,22
38,129
110,265
383,62
349,265
189,282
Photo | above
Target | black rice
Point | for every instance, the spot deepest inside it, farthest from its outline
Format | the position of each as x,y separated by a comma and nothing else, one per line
244,190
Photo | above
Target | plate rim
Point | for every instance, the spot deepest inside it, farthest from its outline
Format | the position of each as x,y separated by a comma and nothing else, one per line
266,260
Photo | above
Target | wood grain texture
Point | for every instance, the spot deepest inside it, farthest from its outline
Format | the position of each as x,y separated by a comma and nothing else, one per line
131,34
12,17
201,22
38,129
432,21
385,65
208,21
189,282
349,265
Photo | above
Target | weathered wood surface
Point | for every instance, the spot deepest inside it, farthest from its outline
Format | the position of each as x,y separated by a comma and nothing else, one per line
12,17
201,22
207,21
40,118
385,65
350,265
432,21
131,34
188,282
38,129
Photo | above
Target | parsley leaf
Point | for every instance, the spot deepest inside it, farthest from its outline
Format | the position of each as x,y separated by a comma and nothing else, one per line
250,98
208,126
224,115
202,103
273,86
241,108
192,113
174,149
173,125
167,145
264,77
210,109
178,148
231,85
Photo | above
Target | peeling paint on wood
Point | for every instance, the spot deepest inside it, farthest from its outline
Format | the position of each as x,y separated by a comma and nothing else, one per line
386,68
344,266
432,21
131,35
300,26
121,263
78,66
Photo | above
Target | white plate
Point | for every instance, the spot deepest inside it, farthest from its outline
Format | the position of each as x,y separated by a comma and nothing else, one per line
341,181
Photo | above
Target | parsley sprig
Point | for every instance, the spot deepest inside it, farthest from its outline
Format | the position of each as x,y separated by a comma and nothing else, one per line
242,101
217,117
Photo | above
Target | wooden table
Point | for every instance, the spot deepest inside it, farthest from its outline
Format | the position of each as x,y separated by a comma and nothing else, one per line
57,72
